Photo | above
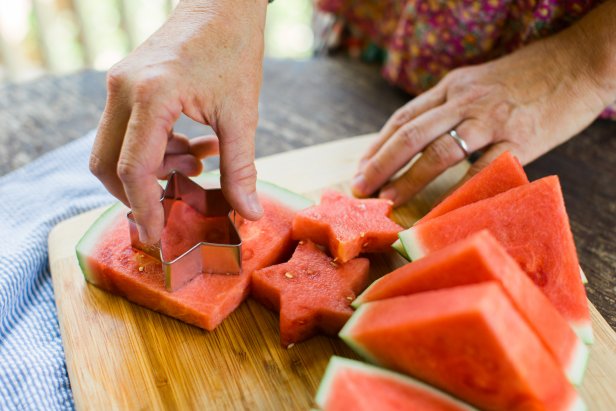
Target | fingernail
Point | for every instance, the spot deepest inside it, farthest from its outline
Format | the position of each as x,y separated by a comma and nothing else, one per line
388,193
359,184
254,205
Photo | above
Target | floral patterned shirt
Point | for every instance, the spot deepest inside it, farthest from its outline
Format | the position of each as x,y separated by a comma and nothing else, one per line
425,39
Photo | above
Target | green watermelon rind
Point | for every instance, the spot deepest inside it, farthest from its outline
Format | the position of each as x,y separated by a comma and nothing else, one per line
578,364
337,363
294,201
399,247
90,239
412,245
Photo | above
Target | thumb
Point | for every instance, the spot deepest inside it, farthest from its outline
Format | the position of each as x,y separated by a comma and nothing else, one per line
237,167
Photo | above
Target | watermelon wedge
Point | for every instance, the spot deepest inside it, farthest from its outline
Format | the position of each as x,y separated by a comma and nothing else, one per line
349,226
531,222
502,174
480,258
109,262
469,341
353,385
311,291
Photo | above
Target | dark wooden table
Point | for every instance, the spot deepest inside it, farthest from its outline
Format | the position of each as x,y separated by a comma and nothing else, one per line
310,102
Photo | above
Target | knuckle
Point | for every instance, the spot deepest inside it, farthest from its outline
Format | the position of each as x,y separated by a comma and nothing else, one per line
244,175
116,79
375,169
128,171
401,116
410,136
146,87
97,167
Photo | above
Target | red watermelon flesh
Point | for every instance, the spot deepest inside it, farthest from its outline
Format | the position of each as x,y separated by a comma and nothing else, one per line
109,262
350,385
502,174
311,291
348,226
469,341
480,258
531,222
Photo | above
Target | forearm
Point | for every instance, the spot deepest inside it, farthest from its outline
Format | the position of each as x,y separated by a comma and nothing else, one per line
593,42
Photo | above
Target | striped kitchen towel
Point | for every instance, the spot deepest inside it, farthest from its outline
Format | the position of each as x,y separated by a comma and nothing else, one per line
33,200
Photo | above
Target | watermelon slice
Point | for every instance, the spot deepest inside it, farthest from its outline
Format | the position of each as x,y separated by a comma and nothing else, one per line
467,340
353,385
532,223
311,292
481,258
502,174
109,262
349,226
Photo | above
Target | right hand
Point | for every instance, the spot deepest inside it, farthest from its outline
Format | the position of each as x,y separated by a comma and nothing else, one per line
205,62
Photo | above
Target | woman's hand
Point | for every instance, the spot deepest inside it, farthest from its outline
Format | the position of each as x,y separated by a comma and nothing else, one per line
527,102
205,62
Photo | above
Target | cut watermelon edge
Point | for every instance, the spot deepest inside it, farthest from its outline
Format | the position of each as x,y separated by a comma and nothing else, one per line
409,242
340,363
584,331
578,364
89,240
345,335
399,247
294,201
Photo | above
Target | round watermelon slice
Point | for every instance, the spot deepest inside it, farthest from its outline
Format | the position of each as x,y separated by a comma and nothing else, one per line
109,262
353,385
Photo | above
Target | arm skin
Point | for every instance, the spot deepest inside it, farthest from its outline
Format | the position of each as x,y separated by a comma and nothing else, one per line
205,62
527,102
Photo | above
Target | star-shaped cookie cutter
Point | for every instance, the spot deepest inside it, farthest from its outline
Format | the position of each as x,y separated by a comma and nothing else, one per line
224,257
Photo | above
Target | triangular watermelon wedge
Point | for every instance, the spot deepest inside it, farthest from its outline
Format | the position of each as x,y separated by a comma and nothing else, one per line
531,222
480,258
502,174
469,341
350,385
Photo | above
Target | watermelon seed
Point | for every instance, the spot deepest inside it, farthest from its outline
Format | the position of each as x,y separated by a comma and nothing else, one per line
333,263
288,275
350,298
362,234
141,268
290,346
362,206
301,242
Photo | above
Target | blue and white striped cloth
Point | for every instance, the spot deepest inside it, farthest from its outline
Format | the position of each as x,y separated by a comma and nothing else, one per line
32,200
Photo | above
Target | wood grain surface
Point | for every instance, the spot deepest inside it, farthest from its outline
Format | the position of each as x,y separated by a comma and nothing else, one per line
121,356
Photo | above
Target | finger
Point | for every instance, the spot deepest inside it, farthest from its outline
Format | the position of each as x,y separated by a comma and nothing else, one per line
177,144
403,146
184,163
108,143
238,174
438,156
142,154
204,146
417,106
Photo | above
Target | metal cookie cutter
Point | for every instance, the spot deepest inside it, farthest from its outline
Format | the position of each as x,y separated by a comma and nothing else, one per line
217,250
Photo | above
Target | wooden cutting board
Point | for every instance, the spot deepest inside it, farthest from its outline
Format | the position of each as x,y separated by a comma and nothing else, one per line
121,356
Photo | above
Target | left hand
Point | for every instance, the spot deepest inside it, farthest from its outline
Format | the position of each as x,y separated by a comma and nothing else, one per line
527,102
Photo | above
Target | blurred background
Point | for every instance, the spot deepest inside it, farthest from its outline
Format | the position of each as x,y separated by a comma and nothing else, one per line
63,36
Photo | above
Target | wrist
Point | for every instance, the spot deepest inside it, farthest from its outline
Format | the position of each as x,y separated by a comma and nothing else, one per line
593,48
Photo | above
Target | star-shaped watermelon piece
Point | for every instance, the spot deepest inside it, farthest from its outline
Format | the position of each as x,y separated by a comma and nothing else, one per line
348,226
311,291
